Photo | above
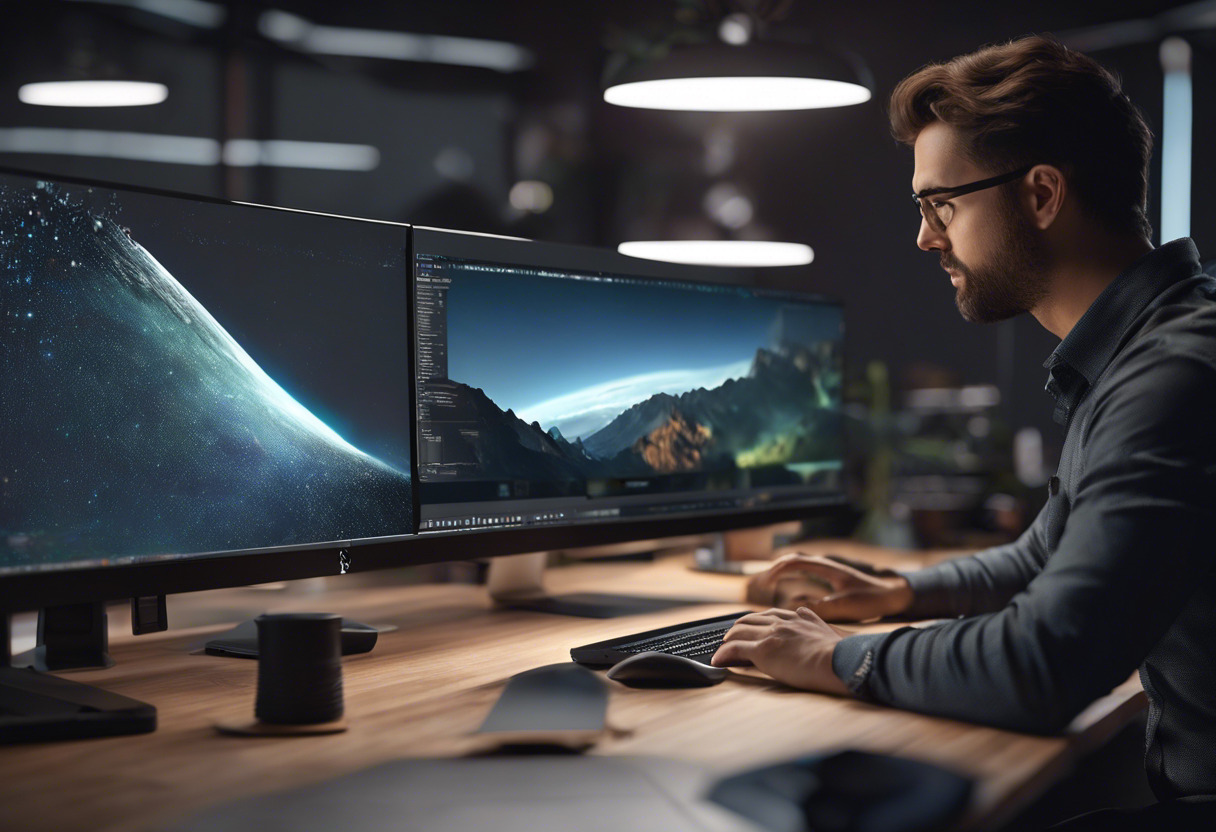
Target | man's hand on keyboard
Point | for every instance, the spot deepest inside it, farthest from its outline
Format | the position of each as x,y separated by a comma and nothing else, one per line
835,588
794,647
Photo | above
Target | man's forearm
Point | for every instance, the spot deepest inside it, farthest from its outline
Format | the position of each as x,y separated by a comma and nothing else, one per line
980,583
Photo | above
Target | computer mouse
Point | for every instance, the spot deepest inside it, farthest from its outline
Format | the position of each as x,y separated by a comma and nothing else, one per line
663,670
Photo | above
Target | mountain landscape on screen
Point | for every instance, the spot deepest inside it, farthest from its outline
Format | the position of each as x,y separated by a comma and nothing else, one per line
783,414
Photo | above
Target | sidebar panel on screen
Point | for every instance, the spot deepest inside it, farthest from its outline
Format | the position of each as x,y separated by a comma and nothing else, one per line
431,361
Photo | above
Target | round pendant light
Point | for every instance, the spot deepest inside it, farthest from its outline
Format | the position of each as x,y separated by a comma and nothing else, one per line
751,76
93,93
730,253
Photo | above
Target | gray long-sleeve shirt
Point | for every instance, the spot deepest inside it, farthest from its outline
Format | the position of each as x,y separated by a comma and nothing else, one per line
1119,569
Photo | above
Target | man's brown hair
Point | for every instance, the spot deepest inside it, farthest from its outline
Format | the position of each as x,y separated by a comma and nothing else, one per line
1035,101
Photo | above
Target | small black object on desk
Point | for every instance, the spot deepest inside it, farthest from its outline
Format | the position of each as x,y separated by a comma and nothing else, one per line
299,677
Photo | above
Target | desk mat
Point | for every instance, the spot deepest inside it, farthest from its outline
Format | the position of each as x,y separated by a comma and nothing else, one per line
503,794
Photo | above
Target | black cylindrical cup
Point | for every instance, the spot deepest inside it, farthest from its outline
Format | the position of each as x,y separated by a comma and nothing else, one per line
299,668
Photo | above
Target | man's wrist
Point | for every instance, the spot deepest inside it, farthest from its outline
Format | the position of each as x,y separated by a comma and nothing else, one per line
826,678
853,660
902,595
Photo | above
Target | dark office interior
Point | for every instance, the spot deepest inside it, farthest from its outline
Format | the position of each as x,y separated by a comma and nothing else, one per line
451,141
490,117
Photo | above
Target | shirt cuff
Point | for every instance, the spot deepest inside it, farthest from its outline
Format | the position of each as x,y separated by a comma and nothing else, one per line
933,592
853,659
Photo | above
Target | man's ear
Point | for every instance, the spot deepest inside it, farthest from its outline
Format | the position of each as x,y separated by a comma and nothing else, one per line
1045,194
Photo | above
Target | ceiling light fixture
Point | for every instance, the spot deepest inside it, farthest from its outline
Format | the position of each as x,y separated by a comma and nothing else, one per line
741,74
87,62
731,253
93,93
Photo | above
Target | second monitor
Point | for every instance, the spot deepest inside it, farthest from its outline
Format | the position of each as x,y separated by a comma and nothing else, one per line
559,386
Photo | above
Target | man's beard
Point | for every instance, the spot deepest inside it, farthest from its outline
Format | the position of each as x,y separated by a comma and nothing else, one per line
1014,284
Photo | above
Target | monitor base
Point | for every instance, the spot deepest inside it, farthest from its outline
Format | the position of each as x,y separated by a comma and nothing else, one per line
70,637
517,582
39,707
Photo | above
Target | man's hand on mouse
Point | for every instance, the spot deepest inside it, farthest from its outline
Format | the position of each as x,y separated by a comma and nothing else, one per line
794,647
834,588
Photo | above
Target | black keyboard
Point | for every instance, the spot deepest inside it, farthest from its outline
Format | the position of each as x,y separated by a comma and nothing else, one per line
697,640
682,644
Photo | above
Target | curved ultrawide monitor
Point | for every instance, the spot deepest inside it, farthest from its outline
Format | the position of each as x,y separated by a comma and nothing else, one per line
577,396
195,383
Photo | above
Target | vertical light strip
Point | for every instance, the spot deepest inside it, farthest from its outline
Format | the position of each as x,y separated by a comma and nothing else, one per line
1177,114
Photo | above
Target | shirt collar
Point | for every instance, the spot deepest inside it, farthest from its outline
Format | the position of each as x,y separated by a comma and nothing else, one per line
1084,353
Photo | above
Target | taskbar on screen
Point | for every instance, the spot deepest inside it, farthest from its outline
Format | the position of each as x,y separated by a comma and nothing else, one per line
514,514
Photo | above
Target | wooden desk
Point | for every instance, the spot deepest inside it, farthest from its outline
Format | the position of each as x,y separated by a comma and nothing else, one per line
432,681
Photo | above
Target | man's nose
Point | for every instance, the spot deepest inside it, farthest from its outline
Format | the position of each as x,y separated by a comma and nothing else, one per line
927,239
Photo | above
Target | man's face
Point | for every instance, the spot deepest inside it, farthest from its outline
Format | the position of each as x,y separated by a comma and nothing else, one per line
995,258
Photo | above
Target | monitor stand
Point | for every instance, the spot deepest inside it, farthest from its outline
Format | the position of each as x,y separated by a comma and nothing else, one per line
517,582
37,707
70,637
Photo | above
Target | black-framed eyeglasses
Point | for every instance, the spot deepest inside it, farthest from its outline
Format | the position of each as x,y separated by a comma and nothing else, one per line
939,213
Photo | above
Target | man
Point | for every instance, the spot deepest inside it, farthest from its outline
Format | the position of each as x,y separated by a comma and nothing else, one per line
1031,172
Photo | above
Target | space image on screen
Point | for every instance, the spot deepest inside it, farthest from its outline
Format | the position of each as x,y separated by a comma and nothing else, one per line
183,377
553,396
